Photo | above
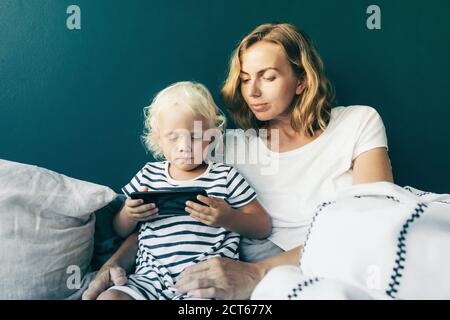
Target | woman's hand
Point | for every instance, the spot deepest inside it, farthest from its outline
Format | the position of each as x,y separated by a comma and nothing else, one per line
106,277
220,278
215,213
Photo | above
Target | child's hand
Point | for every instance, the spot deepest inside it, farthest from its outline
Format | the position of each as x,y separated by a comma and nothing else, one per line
136,210
216,213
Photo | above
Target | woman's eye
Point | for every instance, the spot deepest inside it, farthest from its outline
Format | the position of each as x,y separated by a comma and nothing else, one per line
245,80
269,78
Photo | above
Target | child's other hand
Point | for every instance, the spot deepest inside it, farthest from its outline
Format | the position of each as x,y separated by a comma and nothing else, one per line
216,213
138,211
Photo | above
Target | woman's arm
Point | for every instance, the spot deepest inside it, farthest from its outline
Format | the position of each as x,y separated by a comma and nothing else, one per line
290,257
372,166
230,279
114,271
125,256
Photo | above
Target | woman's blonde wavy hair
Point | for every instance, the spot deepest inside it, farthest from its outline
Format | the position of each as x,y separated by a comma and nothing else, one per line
310,111
187,93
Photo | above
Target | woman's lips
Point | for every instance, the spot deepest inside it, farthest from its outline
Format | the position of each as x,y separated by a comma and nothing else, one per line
260,106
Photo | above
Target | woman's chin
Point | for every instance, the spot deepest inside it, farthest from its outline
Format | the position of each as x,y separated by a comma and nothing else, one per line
263,116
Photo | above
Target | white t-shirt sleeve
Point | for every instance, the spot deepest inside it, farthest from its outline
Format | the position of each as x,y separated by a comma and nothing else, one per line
371,132
239,191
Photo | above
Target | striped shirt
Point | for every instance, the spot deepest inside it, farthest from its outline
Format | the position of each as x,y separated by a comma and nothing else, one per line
170,243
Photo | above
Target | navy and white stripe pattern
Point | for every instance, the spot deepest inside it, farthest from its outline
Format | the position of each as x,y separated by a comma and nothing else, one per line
220,180
168,244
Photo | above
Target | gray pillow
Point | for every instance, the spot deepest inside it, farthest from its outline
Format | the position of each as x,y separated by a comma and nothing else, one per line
46,232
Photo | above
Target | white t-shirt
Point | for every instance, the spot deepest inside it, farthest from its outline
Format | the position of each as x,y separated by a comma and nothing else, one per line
290,184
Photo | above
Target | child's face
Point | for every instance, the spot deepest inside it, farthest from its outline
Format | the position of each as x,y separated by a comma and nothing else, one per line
182,147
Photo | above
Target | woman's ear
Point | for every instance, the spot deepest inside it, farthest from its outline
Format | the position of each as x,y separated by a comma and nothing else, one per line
300,86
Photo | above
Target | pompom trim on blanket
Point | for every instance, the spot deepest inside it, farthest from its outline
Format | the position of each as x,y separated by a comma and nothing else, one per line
318,210
401,251
301,286
419,194
371,196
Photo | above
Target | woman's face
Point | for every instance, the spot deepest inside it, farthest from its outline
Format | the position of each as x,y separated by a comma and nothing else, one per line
268,83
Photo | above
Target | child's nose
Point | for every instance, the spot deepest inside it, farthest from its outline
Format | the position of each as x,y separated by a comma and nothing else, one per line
184,146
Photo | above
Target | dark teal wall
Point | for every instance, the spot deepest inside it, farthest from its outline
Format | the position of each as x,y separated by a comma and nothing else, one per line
72,101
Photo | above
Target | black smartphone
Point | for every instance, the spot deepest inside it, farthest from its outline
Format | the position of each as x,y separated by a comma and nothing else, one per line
171,201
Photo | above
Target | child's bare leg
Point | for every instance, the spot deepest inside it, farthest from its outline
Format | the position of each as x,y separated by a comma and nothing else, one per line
113,295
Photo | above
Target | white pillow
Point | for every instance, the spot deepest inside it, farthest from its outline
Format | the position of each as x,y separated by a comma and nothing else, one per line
46,231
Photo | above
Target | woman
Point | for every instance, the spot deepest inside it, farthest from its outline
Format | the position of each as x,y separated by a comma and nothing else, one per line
277,82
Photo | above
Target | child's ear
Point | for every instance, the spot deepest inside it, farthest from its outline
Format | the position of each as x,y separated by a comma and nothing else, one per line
157,137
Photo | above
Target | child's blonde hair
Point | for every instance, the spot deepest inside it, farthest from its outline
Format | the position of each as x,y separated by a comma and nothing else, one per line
186,93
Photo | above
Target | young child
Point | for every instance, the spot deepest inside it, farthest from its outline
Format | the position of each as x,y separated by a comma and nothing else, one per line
167,244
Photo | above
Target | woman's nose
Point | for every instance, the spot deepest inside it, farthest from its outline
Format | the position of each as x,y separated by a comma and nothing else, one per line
255,91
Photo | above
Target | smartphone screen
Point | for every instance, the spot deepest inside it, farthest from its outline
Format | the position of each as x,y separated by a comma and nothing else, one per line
171,201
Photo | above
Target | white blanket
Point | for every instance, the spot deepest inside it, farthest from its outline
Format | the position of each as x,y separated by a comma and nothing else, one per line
374,240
